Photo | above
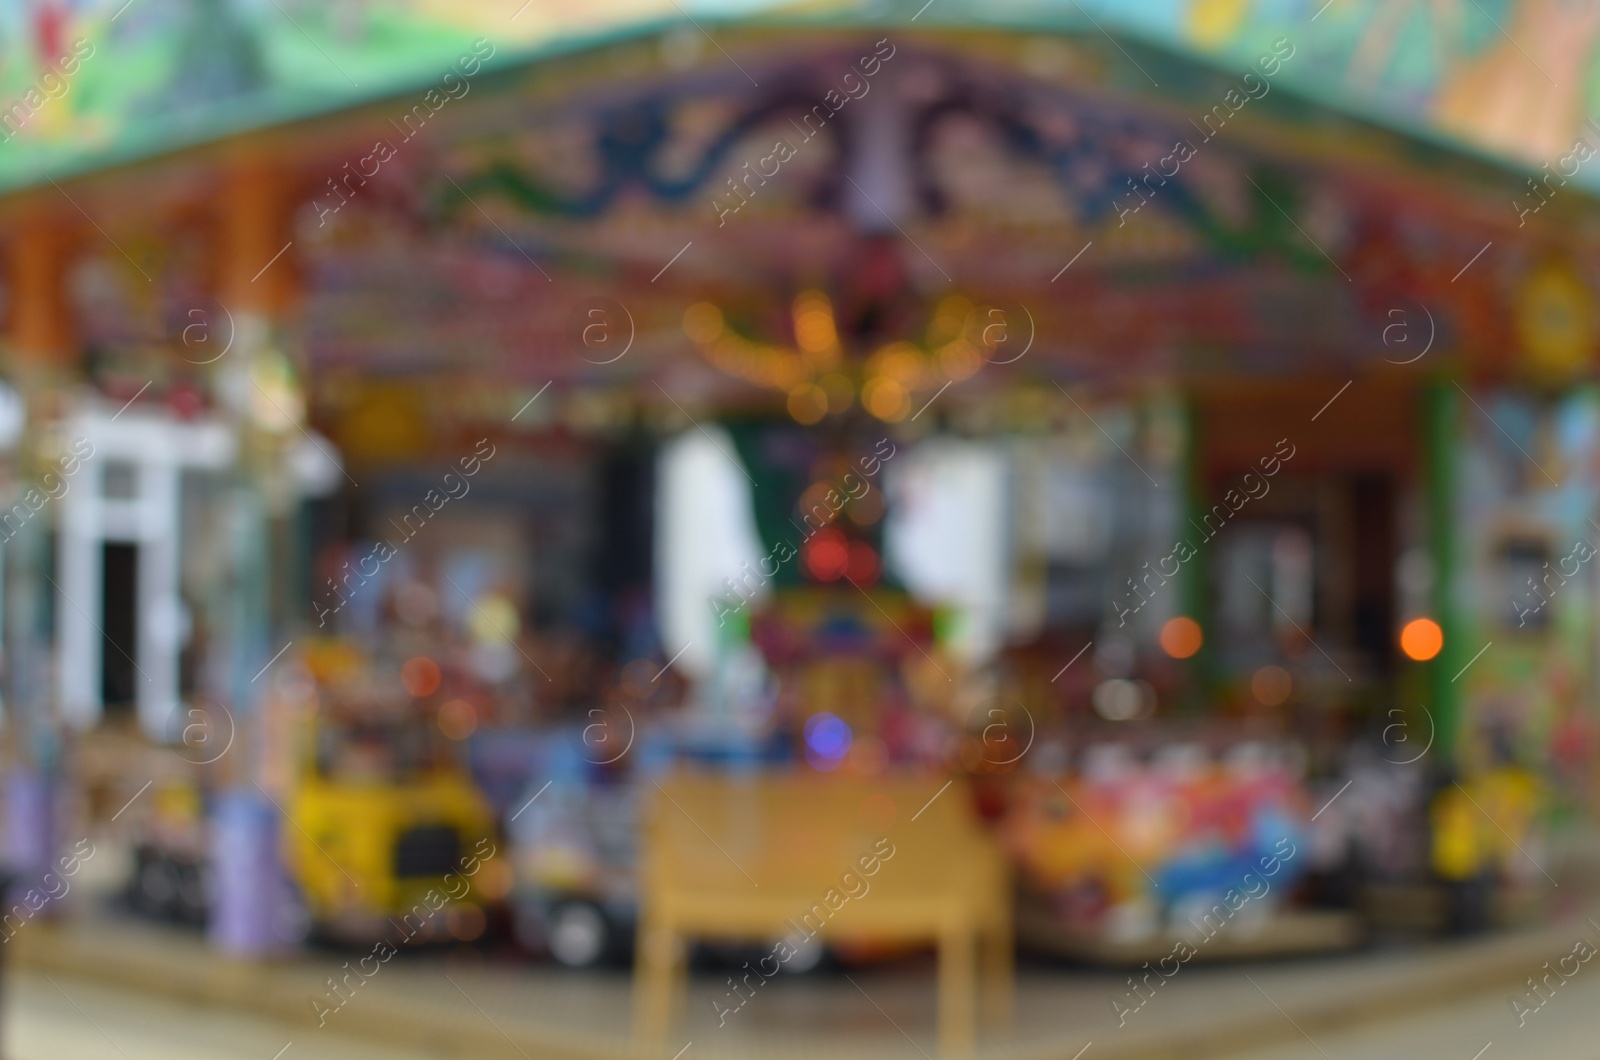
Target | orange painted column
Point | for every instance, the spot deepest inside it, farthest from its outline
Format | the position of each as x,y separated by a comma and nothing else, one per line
41,327
256,252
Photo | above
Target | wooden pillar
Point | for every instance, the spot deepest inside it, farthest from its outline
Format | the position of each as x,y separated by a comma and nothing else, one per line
258,272
41,325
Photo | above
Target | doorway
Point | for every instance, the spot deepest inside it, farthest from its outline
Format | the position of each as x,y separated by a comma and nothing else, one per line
119,609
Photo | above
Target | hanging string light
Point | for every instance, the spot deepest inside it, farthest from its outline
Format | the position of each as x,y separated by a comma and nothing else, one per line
814,373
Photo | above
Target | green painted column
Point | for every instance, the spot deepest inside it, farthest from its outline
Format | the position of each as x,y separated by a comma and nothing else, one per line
1191,479
1442,440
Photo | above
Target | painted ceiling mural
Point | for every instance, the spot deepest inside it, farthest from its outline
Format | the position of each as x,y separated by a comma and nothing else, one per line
948,174
672,186
84,83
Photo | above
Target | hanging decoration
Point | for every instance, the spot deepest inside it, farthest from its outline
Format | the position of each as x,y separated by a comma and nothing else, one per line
814,373
1555,321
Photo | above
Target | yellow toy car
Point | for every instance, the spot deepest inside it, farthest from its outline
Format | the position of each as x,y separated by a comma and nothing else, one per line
381,835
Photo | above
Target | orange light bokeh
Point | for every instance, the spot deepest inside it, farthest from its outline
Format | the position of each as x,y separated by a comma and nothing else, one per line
1271,686
1181,637
494,880
420,676
886,399
1421,639
458,719
807,403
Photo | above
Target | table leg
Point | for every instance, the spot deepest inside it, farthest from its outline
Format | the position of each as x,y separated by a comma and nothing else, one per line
957,989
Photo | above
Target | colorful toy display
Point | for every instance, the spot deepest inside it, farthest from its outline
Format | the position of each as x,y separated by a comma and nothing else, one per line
1487,827
1127,849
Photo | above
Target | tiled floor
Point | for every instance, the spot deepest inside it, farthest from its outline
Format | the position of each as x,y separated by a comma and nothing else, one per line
461,1004
159,991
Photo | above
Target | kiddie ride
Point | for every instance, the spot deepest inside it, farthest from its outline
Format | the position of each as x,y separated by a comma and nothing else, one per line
574,850
378,820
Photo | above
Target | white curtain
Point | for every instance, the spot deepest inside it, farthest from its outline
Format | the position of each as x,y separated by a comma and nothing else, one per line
946,536
705,533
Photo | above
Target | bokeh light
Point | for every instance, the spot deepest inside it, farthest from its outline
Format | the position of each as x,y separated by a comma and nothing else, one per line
828,740
826,556
1181,637
807,403
702,322
886,399
862,564
813,322
458,719
1271,685
1421,639
420,676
